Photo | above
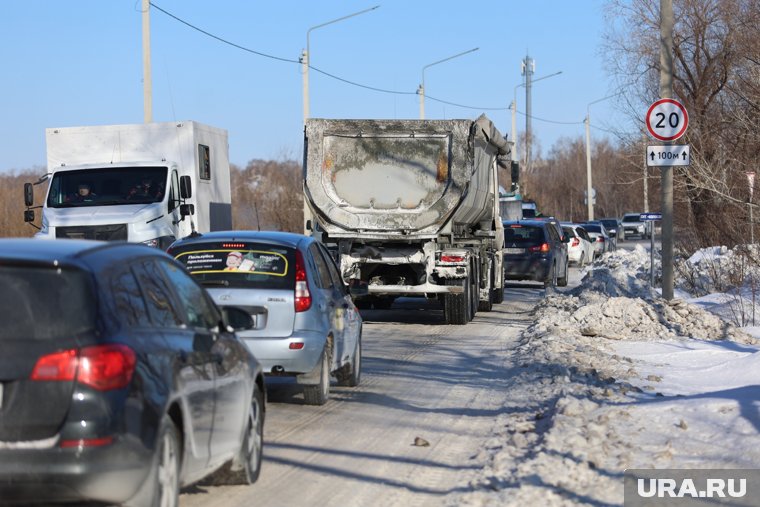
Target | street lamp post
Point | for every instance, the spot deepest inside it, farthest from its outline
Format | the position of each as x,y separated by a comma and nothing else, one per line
589,189
421,89
306,58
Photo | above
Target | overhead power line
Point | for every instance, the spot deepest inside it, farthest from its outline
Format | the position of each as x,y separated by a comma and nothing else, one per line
338,78
225,41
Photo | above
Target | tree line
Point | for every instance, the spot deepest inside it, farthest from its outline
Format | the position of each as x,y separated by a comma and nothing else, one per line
716,76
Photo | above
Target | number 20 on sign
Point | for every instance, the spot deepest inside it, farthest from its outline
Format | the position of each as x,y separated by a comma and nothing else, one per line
667,120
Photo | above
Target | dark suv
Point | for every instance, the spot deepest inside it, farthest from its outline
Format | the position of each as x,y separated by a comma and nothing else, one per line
120,379
534,250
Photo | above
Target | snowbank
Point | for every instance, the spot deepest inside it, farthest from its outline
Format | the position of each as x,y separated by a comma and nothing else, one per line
614,377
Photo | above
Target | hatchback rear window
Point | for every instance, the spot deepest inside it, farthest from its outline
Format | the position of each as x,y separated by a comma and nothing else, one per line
45,303
523,234
239,264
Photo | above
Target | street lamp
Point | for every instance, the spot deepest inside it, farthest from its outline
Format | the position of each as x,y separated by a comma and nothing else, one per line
306,58
513,107
587,121
421,90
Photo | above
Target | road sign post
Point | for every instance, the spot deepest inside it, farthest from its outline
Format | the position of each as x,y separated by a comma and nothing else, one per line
650,219
751,184
666,120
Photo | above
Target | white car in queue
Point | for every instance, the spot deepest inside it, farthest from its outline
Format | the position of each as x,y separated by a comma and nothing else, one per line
580,248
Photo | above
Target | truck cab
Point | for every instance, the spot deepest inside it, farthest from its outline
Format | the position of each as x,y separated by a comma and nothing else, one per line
147,183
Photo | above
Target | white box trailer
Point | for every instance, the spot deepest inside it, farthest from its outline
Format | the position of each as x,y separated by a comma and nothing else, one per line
150,183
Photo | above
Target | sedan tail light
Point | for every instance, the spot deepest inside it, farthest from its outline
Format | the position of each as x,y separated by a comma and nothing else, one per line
545,248
600,239
302,294
102,367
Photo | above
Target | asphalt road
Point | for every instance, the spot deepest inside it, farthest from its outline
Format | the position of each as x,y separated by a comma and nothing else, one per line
441,386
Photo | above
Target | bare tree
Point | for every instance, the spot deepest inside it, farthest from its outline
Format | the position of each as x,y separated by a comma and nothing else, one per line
716,54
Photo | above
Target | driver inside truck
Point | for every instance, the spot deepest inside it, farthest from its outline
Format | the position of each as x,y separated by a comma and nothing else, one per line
84,194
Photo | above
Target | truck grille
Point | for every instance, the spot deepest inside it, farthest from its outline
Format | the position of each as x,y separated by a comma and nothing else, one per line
114,232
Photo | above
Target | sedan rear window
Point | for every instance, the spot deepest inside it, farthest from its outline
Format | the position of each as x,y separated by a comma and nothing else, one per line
523,234
240,264
45,303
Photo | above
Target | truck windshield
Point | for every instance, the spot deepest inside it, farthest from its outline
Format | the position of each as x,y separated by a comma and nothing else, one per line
107,186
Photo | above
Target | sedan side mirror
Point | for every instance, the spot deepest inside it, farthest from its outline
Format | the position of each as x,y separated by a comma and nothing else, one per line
237,318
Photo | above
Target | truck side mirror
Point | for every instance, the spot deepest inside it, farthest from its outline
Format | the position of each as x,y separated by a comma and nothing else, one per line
186,209
28,195
29,215
185,187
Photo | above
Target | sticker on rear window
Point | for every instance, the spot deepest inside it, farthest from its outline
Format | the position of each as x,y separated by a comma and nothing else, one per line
235,261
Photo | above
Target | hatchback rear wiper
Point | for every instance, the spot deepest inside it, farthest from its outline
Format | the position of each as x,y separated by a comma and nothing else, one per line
224,283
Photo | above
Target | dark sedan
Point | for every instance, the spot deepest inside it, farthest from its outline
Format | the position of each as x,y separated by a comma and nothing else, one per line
534,250
120,379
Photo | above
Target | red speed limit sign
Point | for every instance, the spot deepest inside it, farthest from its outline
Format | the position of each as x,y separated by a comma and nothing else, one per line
667,120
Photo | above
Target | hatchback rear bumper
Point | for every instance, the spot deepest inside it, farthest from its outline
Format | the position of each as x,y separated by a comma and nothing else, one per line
282,356
113,473
526,268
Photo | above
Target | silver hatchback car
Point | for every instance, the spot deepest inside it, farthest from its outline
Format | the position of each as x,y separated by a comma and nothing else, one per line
305,324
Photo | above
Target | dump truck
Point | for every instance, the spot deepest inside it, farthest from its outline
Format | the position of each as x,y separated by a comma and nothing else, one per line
409,208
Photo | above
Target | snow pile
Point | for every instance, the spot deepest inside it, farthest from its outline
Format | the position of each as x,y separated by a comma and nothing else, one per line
718,269
621,273
600,392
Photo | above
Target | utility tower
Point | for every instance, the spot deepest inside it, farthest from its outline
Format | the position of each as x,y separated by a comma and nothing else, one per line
528,69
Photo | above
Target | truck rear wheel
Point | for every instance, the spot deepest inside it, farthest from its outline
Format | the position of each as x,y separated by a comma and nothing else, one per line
474,289
456,307
487,305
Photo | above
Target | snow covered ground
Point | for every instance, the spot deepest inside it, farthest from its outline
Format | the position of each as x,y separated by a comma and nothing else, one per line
614,377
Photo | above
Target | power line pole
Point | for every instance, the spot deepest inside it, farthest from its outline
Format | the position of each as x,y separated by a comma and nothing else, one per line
528,68
666,91
147,80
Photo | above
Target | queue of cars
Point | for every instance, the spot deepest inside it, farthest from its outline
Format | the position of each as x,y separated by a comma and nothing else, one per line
540,248
123,379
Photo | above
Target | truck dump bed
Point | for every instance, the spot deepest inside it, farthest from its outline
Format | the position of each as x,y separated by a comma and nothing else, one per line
408,178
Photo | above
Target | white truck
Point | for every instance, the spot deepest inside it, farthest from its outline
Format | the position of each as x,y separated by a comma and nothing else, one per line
409,208
150,183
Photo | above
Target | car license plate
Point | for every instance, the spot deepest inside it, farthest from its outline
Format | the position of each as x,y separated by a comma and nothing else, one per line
514,250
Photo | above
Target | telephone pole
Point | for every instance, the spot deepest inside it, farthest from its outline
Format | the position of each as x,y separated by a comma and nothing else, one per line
528,68
147,81
666,91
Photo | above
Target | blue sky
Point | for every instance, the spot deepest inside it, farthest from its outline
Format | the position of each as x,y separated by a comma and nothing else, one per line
79,62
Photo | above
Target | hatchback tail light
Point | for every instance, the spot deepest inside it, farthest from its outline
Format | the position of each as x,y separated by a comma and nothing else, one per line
600,239
102,367
302,294
576,242
545,248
